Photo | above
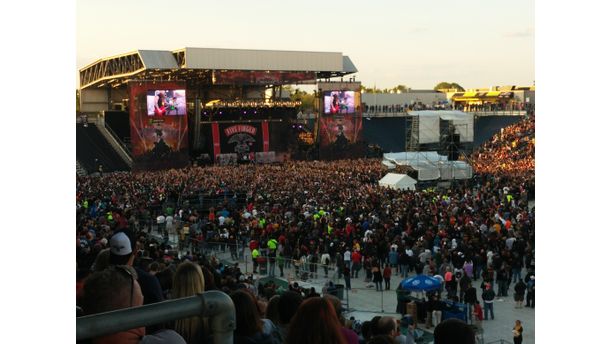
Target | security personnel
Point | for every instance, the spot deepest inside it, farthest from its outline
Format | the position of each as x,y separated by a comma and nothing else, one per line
272,243
255,255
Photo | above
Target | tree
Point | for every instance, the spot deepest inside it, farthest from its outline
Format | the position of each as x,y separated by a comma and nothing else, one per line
307,99
396,89
401,89
447,85
370,90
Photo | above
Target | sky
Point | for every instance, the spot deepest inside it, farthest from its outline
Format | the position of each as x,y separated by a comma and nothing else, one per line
417,43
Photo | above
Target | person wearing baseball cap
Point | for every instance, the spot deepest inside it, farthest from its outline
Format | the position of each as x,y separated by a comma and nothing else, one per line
123,248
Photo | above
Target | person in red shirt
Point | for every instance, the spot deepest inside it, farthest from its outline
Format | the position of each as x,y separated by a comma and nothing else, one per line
387,276
356,266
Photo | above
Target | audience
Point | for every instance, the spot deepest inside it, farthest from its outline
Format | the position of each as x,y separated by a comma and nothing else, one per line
312,212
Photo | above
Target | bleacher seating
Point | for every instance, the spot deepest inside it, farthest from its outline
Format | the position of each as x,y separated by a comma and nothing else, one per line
486,126
92,150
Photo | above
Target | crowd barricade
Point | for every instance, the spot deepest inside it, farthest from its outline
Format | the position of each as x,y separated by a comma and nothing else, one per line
357,299
362,298
265,157
227,159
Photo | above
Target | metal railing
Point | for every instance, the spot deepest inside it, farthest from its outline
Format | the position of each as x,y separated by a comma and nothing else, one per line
216,305
118,140
483,113
500,341
308,275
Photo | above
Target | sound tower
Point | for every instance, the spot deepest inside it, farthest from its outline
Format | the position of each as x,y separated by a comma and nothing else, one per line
453,147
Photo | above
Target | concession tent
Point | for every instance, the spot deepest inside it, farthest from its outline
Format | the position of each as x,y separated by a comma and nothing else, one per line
398,182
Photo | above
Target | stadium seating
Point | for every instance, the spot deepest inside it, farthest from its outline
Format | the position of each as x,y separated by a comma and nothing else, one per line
92,150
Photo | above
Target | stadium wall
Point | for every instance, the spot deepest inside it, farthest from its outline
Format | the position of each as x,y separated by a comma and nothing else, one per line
387,132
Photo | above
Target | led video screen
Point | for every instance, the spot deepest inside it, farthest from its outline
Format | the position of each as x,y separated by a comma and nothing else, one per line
166,103
339,102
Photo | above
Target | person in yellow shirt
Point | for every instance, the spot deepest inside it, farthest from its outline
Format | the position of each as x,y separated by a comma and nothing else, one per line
255,255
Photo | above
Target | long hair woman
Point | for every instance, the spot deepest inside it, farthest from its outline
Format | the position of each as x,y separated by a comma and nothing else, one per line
189,281
250,327
315,323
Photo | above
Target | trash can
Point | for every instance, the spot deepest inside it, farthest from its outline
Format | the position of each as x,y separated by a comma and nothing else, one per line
340,291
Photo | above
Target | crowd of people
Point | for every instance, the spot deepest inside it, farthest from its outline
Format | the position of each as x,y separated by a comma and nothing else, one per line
400,108
331,213
511,151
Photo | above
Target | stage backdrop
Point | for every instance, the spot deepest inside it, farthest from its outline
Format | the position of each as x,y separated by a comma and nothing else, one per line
244,139
158,125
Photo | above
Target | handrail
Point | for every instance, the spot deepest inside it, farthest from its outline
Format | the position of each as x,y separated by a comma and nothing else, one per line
214,304
116,137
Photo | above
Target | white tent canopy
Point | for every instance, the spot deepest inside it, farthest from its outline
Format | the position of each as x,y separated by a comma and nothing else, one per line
398,182
388,164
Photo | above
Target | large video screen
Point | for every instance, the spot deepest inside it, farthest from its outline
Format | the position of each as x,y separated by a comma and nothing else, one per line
166,103
339,102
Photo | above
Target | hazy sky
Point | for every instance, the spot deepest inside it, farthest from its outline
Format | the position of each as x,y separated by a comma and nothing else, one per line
418,43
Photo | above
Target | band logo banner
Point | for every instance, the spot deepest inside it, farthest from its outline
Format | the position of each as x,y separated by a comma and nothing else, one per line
244,139
241,128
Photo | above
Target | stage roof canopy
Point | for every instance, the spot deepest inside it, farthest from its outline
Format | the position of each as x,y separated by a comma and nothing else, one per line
198,64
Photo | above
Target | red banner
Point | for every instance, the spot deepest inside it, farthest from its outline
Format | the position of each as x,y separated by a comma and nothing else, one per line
216,140
266,136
